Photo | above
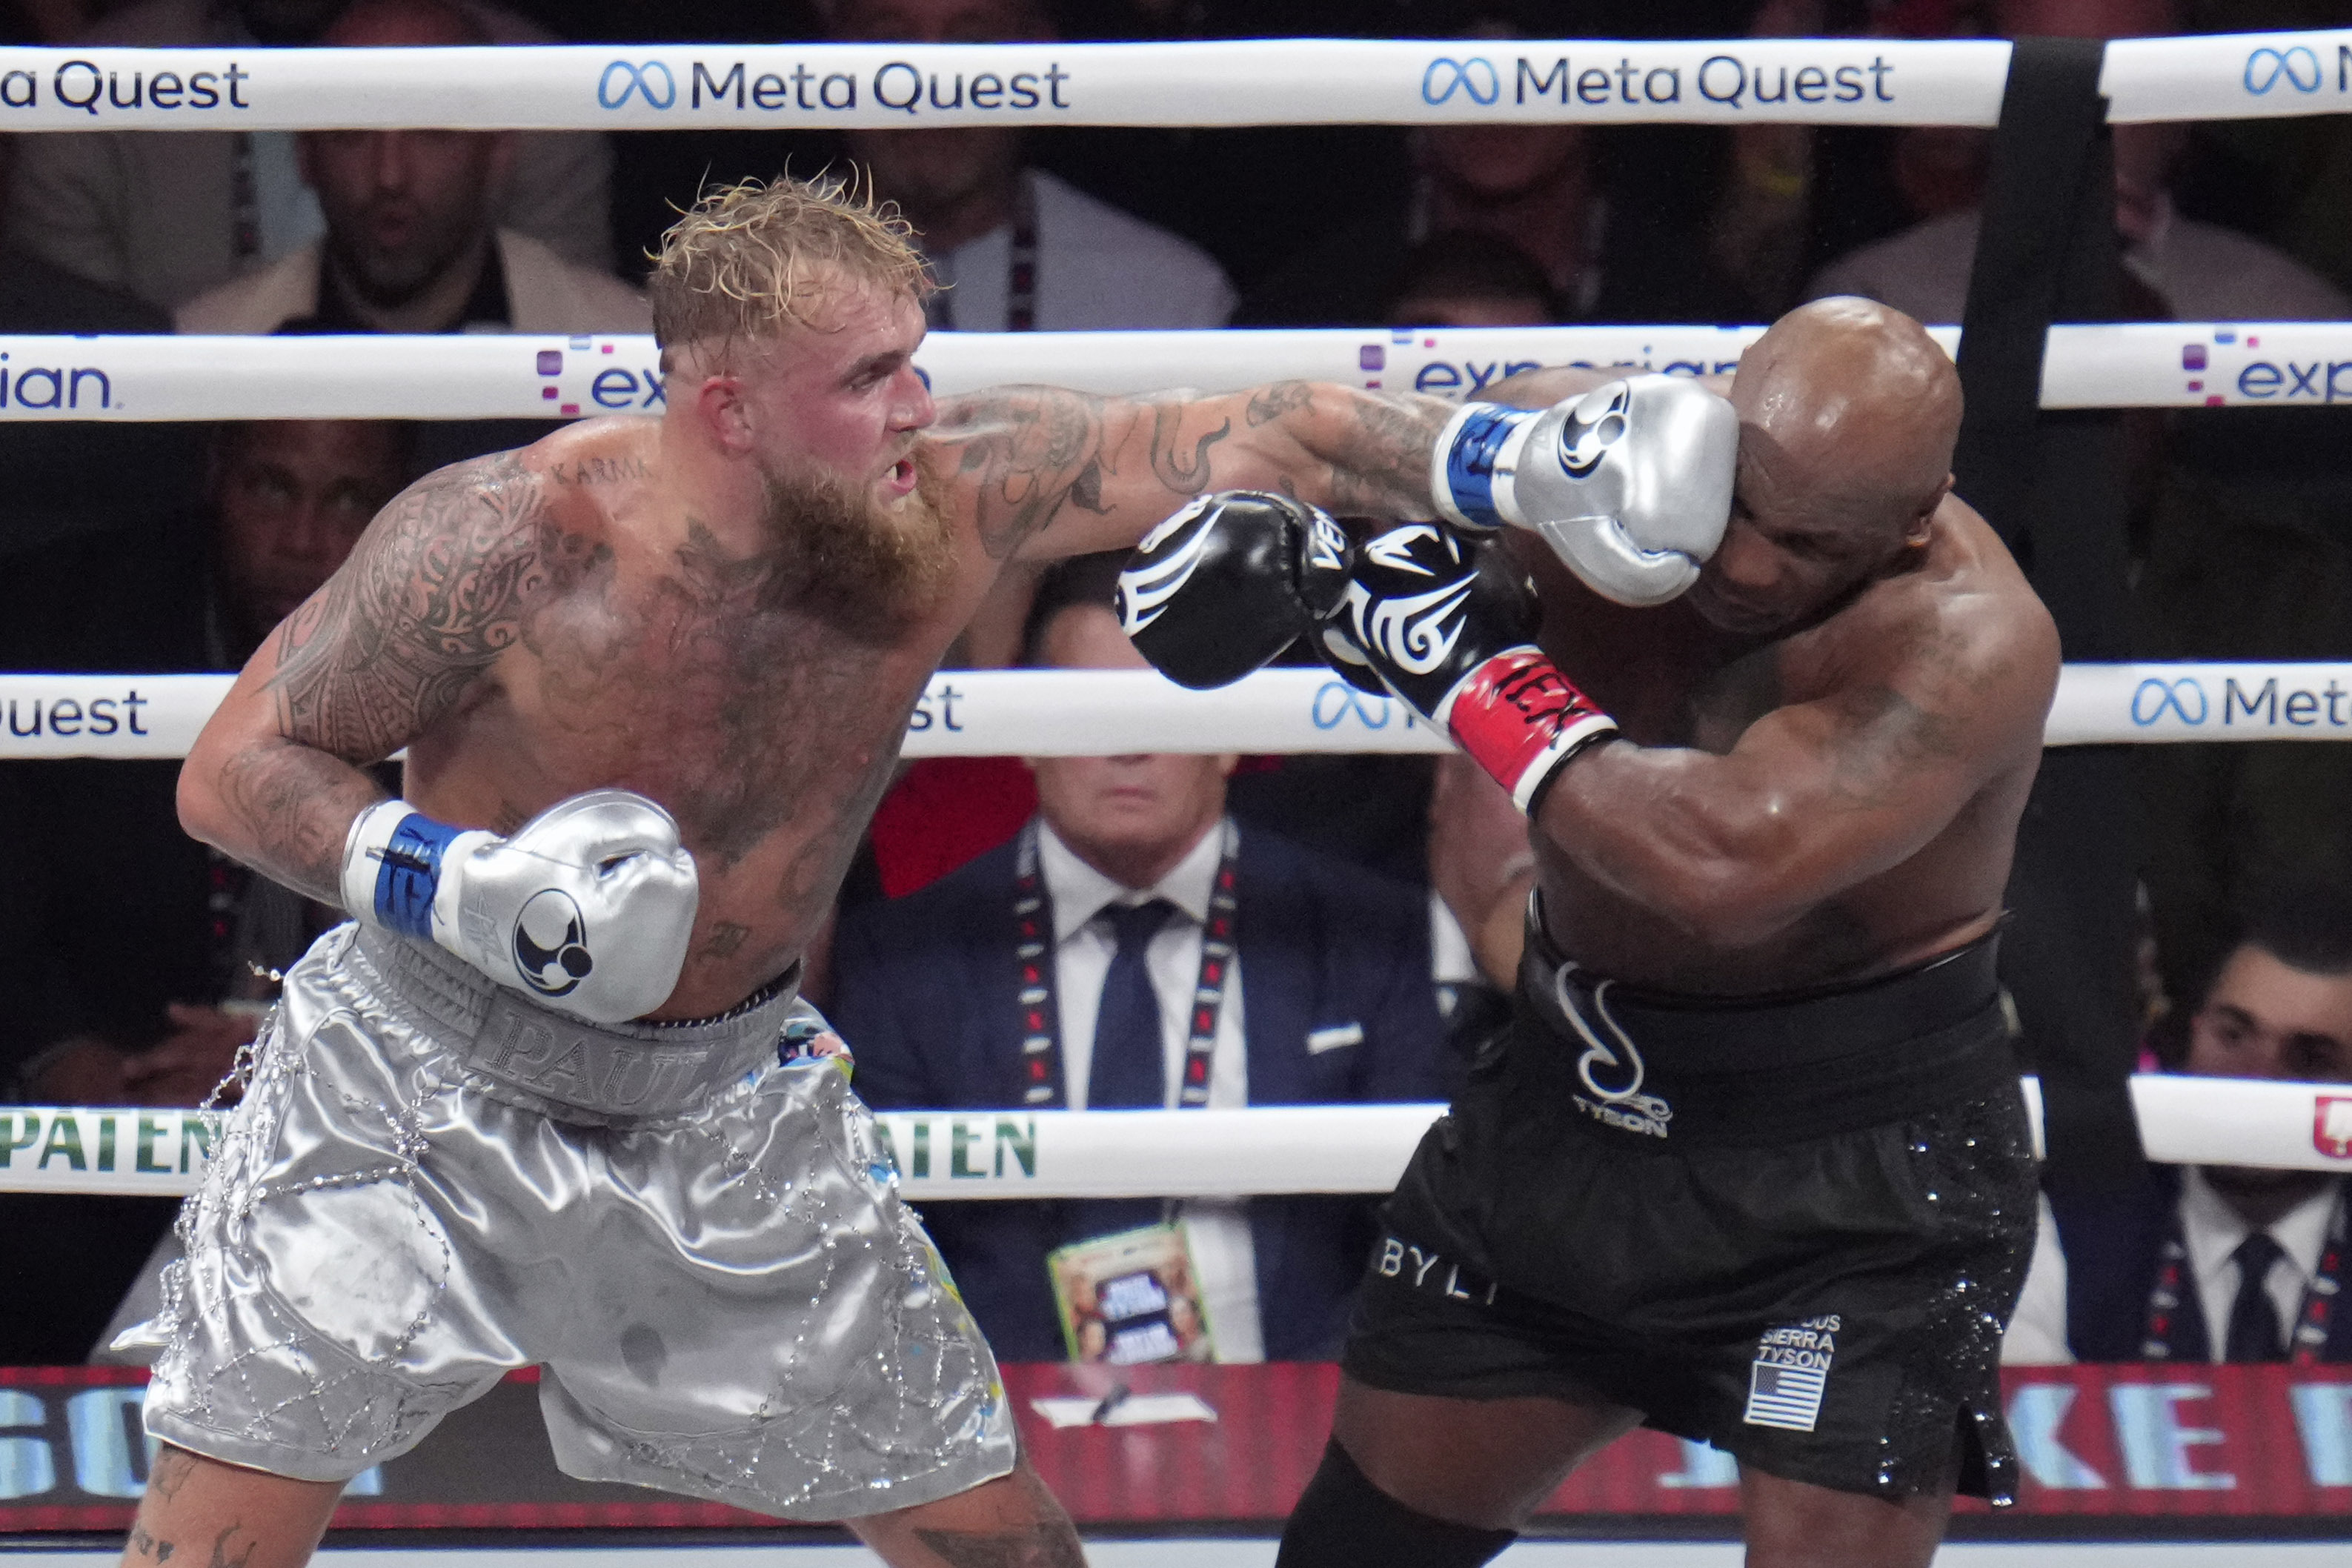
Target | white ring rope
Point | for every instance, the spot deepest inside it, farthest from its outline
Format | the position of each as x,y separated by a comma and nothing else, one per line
1078,712
1185,1153
2150,364
1282,81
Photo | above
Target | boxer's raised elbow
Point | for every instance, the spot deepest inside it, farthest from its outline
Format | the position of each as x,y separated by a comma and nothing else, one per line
198,798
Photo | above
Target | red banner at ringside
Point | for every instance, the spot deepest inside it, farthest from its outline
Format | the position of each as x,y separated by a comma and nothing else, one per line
1198,1444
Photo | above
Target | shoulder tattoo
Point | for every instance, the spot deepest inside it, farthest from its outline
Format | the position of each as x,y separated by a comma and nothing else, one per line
437,586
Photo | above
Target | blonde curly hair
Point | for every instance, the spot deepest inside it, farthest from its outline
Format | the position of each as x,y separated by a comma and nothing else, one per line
747,258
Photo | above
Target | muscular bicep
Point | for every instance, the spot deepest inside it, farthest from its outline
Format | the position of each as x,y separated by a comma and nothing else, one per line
1813,799
437,586
1045,472
1041,471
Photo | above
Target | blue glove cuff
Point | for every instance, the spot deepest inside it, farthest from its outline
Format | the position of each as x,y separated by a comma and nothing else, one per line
1470,461
410,874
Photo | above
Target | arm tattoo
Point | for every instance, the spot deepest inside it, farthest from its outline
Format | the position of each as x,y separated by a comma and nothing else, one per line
436,588
169,1472
1022,451
1383,466
425,605
1271,403
1168,462
222,1557
1032,1546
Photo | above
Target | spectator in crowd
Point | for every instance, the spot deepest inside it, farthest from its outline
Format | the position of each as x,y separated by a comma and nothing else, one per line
1017,248
1137,875
411,242
166,217
136,962
1534,185
2200,272
1466,278
72,476
287,500
2211,1263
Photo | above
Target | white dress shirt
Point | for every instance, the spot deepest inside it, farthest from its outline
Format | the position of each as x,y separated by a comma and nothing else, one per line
1098,269
2211,1231
2205,272
1222,1252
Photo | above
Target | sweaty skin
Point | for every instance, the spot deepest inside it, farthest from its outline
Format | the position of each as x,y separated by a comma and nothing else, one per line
1827,745
1831,736
607,607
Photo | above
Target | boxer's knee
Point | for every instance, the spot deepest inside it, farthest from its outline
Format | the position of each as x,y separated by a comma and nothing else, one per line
1346,1522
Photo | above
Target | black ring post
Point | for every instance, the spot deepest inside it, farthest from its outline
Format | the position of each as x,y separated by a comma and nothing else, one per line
2052,485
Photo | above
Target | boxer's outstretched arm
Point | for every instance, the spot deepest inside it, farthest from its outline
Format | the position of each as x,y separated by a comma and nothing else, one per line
1815,797
1045,472
435,587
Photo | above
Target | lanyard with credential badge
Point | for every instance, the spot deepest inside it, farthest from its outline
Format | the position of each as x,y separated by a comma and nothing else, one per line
1042,1083
2311,1319
1020,268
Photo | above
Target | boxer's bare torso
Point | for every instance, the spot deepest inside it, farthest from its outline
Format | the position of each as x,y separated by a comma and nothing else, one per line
645,658
575,616
1902,667
1832,796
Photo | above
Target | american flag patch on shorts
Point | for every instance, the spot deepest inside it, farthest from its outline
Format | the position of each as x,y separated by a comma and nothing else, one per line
1790,1373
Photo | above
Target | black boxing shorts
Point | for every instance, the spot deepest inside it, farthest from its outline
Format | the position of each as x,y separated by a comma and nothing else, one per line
1791,1225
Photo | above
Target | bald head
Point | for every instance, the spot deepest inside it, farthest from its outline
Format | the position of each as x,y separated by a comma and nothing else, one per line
1851,404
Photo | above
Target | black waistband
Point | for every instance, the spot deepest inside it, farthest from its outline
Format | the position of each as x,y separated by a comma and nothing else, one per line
1768,1067
1773,1029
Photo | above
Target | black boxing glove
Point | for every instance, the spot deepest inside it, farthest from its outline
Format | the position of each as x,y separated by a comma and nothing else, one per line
1229,581
1450,626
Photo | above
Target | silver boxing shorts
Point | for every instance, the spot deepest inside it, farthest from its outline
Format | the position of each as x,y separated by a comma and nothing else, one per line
431,1181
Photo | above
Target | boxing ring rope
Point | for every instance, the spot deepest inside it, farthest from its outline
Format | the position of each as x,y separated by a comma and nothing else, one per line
1304,81
1342,1149
1087,713
2151,364
1182,1153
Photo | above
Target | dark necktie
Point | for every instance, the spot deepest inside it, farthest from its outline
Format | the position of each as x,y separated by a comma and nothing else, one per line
2254,1317
1129,1070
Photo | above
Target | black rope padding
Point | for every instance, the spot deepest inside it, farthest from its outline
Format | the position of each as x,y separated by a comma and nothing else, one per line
2052,484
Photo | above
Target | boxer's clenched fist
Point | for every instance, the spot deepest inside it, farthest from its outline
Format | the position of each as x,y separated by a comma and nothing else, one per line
1630,484
1449,625
588,907
1229,581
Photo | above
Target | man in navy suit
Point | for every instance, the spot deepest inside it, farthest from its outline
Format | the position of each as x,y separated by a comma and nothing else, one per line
1174,958
2209,1263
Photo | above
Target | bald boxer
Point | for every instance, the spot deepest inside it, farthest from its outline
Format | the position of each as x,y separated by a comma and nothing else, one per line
1749,1164
542,1102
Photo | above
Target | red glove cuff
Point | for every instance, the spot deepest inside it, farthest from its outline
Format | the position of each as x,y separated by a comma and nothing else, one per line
1521,720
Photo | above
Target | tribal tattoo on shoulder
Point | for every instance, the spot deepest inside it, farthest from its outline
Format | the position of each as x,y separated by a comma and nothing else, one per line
437,589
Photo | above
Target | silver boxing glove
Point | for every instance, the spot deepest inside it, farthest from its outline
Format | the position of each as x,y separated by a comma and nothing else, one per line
1630,484
588,907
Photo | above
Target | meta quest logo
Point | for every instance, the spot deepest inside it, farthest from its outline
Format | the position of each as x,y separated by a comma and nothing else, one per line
2198,702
